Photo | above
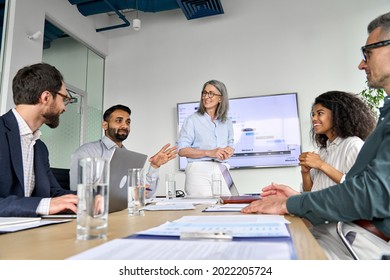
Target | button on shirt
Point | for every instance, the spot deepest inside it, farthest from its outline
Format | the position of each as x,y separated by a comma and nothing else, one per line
27,142
200,132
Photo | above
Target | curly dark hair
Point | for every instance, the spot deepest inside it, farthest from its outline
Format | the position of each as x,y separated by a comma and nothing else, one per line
350,115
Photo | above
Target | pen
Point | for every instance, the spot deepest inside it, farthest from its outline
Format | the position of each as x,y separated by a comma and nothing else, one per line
149,189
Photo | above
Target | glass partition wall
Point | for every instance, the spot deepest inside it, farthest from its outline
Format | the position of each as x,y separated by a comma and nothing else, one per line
83,72
3,30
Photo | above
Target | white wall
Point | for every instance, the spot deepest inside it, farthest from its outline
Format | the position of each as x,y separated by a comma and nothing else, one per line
256,47
28,17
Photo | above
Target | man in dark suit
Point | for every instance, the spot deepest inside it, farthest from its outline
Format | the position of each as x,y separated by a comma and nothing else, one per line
27,185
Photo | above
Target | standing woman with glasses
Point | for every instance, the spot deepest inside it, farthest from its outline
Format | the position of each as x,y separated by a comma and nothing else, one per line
206,140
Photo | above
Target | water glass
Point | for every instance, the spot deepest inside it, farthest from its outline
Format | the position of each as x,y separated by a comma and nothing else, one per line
136,192
92,193
170,186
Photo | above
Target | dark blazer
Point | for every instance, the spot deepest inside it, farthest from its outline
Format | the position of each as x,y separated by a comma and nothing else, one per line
13,203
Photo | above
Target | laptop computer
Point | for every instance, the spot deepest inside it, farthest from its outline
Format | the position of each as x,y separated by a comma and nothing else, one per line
235,196
121,161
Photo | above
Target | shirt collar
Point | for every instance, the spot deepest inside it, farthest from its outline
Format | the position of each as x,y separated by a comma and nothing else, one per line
386,100
386,105
209,118
336,142
109,143
24,129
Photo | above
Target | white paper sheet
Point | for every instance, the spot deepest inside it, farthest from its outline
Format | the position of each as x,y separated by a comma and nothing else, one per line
142,249
226,207
25,223
173,206
10,221
186,200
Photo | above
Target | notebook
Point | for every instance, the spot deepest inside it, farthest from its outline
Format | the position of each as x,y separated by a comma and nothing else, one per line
121,161
235,196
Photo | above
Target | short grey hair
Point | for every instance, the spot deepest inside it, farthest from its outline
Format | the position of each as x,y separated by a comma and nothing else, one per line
383,22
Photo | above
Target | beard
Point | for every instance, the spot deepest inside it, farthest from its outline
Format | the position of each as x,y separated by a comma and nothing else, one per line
116,134
52,119
379,83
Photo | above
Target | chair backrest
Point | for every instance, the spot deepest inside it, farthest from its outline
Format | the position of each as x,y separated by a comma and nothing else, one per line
62,176
344,240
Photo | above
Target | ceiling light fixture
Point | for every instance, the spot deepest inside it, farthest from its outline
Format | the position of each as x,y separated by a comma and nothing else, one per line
136,24
136,21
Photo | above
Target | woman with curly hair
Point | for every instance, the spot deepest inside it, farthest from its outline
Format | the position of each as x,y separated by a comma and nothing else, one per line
341,122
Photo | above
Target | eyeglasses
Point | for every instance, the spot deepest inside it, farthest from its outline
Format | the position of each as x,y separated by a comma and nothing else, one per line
373,46
67,98
209,94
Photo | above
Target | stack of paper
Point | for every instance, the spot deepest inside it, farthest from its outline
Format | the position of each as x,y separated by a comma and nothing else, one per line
236,207
186,200
162,204
12,221
12,224
173,206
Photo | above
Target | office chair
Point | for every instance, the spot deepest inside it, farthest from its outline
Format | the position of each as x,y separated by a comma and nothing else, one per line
367,225
62,176
344,240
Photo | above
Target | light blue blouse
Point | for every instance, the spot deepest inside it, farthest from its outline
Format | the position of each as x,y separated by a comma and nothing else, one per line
199,132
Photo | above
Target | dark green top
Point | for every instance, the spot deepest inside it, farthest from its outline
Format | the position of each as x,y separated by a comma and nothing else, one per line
365,194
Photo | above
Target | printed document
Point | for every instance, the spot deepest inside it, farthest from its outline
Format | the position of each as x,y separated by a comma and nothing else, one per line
236,225
155,249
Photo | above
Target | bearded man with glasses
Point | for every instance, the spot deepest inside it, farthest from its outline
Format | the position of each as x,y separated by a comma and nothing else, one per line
28,187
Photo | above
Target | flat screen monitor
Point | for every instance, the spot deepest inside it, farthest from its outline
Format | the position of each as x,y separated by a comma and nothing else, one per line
266,130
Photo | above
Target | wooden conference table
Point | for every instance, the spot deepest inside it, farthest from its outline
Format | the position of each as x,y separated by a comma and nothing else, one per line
58,241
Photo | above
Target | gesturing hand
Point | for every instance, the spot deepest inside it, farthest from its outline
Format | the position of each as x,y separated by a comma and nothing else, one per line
163,156
278,190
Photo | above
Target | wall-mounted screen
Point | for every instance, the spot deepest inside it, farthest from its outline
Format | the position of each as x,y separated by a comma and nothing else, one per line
266,130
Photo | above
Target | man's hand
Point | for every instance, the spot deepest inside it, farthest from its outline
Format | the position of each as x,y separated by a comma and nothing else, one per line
279,190
268,205
163,156
62,203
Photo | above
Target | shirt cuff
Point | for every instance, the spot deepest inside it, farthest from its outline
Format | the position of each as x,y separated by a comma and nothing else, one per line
44,206
293,204
152,179
153,172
